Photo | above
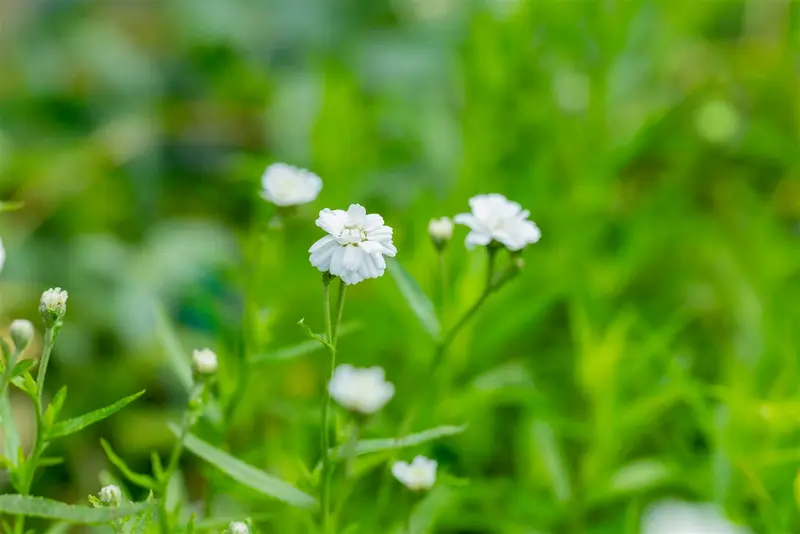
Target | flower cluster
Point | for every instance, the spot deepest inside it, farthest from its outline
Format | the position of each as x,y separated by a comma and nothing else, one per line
110,495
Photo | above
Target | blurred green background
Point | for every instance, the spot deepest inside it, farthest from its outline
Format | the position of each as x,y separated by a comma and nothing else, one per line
649,349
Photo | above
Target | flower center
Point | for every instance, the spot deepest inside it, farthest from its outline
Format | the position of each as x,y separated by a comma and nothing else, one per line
352,234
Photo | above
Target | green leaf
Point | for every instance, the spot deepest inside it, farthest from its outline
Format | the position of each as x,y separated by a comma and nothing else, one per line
70,426
549,452
366,446
178,359
301,349
247,474
418,301
424,516
59,511
11,439
10,206
144,481
21,367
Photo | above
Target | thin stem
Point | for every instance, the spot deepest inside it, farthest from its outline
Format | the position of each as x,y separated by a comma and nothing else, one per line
50,335
172,465
444,284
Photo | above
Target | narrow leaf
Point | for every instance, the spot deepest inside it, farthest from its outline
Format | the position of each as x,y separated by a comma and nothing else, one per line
549,452
418,301
11,440
21,366
70,426
144,481
178,359
424,516
301,349
10,206
366,446
49,509
247,474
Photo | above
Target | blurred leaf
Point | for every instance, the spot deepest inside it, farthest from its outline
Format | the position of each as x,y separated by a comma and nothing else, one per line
640,476
551,455
49,509
10,206
301,349
21,367
423,517
144,481
247,474
366,446
11,439
418,301
58,528
177,358
76,424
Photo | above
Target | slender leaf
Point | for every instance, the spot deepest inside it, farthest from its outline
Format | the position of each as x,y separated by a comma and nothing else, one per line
247,474
549,452
10,206
178,359
366,446
424,516
49,509
21,367
301,349
144,481
11,439
70,426
418,301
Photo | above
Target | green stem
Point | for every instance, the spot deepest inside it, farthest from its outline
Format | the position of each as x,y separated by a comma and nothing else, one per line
50,335
172,465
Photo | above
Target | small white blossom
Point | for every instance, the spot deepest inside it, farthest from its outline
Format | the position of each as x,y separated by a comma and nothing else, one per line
441,230
238,527
362,390
676,517
419,475
21,332
110,495
284,185
2,255
53,306
495,218
355,246
204,361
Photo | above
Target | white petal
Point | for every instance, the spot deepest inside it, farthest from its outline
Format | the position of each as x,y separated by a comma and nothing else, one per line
352,258
356,214
332,221
321,243
477,239
371,247
337,269
372,221
382,233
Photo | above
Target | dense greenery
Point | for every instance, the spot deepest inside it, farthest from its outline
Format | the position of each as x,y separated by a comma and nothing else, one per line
649,348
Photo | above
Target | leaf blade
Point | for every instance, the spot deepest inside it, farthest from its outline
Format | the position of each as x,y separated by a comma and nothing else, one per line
144,481
70,426
59,511
417,300
301,349
367,446
165,333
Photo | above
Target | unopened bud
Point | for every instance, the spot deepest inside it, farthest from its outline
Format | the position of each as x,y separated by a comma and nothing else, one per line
238,527
110,495
22,333
204,362
441,231
53,306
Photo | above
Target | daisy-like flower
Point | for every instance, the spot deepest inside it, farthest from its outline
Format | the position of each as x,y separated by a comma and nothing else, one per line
355,246
204,362
53,306
676,517
238,527
363,391
419,475
495,218
284,185
110,495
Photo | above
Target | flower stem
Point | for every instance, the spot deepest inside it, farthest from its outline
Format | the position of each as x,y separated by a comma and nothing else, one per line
50,335
331,333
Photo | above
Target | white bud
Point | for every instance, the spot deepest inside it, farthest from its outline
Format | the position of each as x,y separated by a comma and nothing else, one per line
110,495
204,362
53,306
21,332
237,527
441,230
419,475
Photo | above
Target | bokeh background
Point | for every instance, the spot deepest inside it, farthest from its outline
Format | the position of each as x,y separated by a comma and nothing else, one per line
648,350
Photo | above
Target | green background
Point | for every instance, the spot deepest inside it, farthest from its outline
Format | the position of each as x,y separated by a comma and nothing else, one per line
648,350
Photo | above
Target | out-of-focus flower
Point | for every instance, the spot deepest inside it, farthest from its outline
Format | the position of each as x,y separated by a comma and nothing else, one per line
238,527
355,246
284,185
110,495
204,361
676,517
441,230
419,475
53,306
495,218
717,121
21,333
364,390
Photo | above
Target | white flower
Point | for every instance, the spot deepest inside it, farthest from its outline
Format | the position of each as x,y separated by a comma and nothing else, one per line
204,361
2,255
419,475
237,527
355,248
110,495
676,517
495,218
284,185
360,390
441,230
53,306
21,332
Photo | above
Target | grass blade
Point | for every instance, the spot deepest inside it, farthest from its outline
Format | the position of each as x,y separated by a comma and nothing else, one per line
59,511
366,446
247,474
418,301
301,349
144,481
70,426
178,359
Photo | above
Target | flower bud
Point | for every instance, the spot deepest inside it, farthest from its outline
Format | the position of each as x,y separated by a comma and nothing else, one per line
204,362
53,306
238,527
22,333
110,495
441,231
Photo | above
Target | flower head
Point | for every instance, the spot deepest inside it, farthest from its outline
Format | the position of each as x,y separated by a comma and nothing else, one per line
21,332
110,495
204,362
355,246
364,390
284,185
238,527
53,306
676,517
441,230
495,218
419,475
